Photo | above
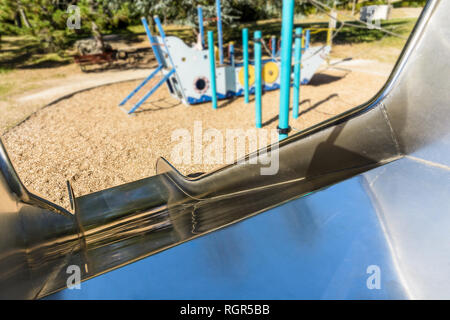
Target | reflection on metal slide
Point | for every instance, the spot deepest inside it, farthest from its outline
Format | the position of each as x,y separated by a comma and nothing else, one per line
366,189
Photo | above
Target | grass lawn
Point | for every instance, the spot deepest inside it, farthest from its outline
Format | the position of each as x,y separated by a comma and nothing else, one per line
350,41
24,52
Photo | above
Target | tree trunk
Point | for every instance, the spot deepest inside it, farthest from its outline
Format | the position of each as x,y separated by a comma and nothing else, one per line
24,17
17,19
97,36
94,28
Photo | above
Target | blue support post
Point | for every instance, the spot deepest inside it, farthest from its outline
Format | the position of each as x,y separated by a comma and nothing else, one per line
143,83
307,38
274,46
245,51
212,64
158,58
297,70
152,41
219,30
258,80
286,59
160,28
200,25
164,79
231,53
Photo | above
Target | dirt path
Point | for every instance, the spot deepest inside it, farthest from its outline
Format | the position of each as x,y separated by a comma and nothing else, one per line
80,82
33,89
88,140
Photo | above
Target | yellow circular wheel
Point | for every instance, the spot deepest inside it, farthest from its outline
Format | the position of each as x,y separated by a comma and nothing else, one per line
251,76
270,72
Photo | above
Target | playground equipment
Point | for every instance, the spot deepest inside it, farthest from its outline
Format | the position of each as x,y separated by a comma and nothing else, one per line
367,187
187,70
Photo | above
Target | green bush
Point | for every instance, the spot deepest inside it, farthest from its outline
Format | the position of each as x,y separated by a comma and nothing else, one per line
412,4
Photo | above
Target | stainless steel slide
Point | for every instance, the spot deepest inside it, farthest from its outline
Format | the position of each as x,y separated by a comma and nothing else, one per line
372,184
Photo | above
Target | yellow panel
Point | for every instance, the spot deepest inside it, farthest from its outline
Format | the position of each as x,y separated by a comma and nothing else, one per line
251,76
270,72
216,53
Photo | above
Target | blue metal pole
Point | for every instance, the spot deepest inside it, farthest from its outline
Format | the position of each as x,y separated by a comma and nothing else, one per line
159,26
200,25
297,70
143,83
245,50
258,80
212,64
152,41
286,56
274,46
219,30
232,53
307,38
151,91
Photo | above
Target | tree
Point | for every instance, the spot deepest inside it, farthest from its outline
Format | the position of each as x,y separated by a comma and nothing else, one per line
46,19
12,14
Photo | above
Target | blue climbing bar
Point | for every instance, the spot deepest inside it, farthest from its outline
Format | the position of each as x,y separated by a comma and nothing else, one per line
160,28
307,38
297,71
219,30
273,44
212,65
143,83
258,80
286,59
245,51
152,91
201,29
231,53
152,41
